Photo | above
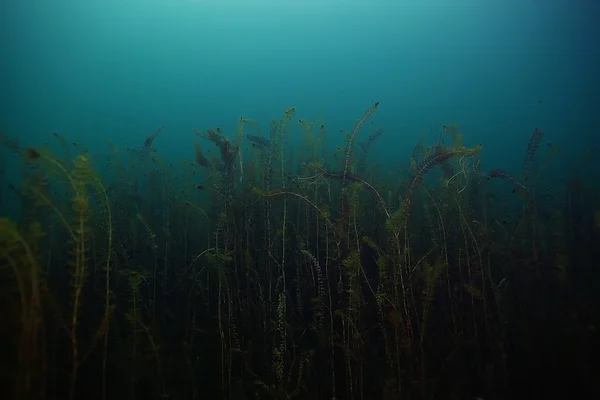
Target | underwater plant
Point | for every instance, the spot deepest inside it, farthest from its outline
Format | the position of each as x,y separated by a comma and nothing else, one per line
264,270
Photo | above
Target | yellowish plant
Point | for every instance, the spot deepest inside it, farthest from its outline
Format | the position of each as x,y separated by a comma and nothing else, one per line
18,254
77,176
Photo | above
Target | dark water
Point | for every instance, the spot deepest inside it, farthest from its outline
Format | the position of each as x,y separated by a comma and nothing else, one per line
299,200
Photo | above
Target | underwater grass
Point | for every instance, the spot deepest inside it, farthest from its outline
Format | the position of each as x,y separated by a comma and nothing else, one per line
270,274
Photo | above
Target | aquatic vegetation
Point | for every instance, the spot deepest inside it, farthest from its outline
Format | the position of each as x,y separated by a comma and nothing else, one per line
258,140
200,159
264,272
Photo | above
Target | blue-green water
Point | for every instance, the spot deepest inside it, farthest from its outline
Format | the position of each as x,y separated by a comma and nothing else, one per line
99,71
184,268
